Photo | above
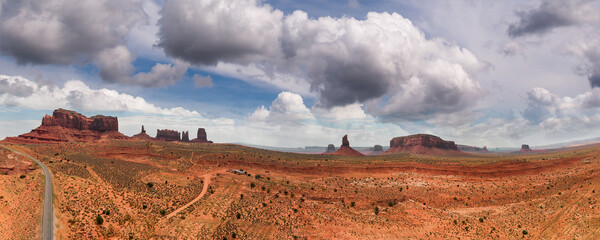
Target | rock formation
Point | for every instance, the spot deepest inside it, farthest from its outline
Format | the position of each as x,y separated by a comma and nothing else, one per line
185,137
65,125
201,137
377,148
525,148
345,141
345,149
472,149
421,144
330,148
168,135
142,135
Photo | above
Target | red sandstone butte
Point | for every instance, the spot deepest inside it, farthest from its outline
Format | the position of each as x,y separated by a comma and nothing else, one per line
201,137
65,125
421,144
345,149
142,135
168,135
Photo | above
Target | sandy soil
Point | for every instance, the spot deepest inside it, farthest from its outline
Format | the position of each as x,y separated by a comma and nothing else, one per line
154,190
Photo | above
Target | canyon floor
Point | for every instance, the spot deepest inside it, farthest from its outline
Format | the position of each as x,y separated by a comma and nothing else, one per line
161,190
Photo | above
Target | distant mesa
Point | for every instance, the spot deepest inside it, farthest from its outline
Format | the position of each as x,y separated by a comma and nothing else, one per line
201,137
525,148
422,144
345,149
330,148
142,135
377,148
168,135
472,149
65,125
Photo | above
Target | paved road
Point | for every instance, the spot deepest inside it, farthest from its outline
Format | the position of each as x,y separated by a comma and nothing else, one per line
48,215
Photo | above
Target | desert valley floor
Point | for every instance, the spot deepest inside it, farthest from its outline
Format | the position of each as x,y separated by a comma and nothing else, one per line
162,190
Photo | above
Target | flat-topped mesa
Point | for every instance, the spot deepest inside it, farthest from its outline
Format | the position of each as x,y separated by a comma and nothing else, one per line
201,137
421,144
65,125
185,136
168,135
525,148
74,120
345,149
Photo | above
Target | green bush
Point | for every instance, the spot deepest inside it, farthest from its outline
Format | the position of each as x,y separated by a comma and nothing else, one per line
162,212
99,220
150,184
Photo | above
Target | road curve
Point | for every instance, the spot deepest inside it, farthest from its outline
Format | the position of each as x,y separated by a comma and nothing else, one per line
48,214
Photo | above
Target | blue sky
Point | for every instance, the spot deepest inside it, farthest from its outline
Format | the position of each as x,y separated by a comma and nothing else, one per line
296,73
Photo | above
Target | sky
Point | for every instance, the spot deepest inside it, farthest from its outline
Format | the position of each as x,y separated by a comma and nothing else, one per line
304,73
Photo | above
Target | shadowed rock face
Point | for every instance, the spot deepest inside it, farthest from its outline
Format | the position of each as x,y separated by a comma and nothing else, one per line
345,141
525,148
377,148
185,137
168,135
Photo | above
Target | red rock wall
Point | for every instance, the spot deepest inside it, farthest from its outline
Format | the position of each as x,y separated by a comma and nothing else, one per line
168,135
424,140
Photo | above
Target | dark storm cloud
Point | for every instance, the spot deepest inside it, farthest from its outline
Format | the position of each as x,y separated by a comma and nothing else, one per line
64,32
594,80
549,15
208,32
344,60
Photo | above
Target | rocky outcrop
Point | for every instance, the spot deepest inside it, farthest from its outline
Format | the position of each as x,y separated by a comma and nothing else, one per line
201,137
525,148
185,136
421,144
330,148
168,135
472,149
142,135
345,149
65,125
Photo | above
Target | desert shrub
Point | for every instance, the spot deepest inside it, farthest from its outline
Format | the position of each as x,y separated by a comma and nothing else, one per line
238,215
480,219
295,210
144,206
162,212
252,185
150,184
257,176
525,232
376,210
22,176
352,204
99,220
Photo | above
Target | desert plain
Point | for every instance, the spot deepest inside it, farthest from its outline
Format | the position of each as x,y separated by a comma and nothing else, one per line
175,190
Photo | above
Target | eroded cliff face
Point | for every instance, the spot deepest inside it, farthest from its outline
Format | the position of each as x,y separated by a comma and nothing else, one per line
168,135
65,125
420,144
